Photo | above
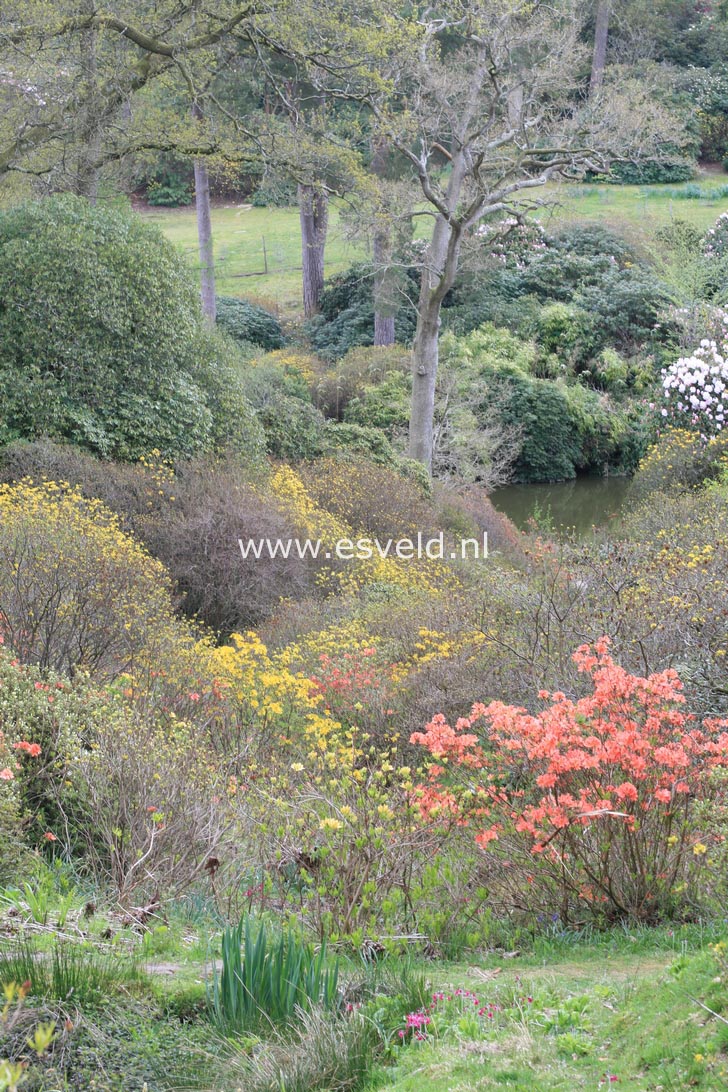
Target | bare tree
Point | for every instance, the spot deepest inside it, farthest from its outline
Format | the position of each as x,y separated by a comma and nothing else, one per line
488,109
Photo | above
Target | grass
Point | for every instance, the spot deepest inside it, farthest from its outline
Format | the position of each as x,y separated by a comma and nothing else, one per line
640,210
240,233
626,1022
69,972
619,1004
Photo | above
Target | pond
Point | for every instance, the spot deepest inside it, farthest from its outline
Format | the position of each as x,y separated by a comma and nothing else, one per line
580,504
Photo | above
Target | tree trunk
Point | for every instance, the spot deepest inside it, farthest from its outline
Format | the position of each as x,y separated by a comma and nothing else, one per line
438,276
425,359
86,183
601,34
384,304
204,235
384,307
313,204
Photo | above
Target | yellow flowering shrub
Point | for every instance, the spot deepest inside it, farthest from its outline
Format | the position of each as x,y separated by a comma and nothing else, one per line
324,789
351,576
681,458
75,590
295,366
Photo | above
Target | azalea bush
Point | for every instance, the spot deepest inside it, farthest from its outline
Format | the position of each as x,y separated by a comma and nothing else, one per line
151,803
593,799
680,459
15,752
75,590
55,713
715,242
326,824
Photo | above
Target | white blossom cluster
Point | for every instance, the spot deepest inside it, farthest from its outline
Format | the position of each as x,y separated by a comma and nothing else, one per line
696,387
716,238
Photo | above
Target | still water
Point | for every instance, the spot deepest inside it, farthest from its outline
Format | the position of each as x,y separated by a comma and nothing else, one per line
559,506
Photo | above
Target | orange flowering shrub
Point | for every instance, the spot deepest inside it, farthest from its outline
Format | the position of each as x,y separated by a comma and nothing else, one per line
12,753
15,750
599,791
10,756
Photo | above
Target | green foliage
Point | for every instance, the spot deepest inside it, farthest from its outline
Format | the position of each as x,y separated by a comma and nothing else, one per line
246,322
566,332
550,449
492,347
610,371
594,294
710,87
385,406
347,312
278,193
101,337
267,981
564,427
294,429
234,425
169,182
649,172
624,306
358,373
71,972
324,1053
352,440
491,296
574,257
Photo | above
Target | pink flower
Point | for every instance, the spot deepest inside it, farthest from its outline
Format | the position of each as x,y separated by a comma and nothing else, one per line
32,749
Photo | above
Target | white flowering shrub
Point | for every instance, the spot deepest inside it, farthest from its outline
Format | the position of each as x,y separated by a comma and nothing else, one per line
695,389
512,242
715,243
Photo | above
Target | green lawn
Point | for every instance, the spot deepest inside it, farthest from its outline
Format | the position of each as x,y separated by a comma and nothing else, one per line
589,1020
639,210
241,232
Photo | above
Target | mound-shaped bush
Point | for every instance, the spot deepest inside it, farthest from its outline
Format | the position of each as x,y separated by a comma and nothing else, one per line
102,340
347,311
246,322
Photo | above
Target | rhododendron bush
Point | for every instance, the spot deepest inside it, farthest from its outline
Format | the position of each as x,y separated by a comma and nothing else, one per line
592,801
695,388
